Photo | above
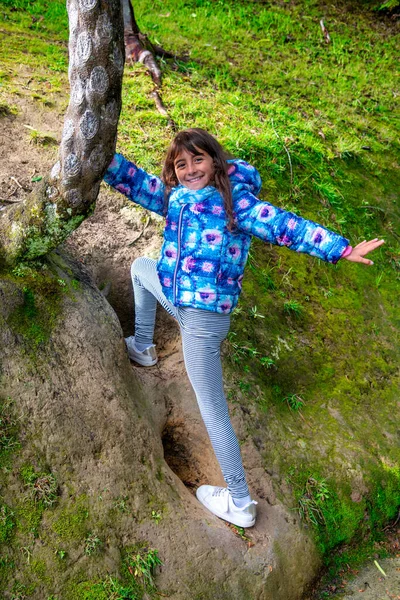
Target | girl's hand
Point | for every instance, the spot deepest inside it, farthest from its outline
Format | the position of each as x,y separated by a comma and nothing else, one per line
361,250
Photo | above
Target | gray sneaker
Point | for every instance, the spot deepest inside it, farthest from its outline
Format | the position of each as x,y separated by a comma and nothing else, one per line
145,358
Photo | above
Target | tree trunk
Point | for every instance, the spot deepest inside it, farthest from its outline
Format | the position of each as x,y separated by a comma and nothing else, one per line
68,195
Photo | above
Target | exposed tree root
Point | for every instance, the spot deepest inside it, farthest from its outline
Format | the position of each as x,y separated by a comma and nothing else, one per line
138,48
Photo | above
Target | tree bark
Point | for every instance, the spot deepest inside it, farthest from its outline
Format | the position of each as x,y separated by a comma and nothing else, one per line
136,42
138,48
68,195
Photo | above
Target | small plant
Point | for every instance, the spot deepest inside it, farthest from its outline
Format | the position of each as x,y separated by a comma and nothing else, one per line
267,362
255,314
19,592
268,282
92,544
244,386
292,307
294,402
120,504
253,352
141,564
61,554
42,486
156,516
239,531
8,426
310,503
7,111
7,523
41,139
45,489
328,293
116,591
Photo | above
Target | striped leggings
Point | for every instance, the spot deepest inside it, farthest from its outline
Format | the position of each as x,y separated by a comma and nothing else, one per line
202,333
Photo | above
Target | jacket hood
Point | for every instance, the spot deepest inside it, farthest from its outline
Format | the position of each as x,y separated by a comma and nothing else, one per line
243,177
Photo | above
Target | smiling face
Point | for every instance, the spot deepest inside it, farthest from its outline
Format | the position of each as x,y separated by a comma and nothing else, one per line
194,171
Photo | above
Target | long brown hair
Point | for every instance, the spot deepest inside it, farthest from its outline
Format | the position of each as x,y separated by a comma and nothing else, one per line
192,140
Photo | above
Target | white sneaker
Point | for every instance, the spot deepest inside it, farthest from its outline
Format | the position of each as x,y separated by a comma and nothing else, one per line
219,501
146,358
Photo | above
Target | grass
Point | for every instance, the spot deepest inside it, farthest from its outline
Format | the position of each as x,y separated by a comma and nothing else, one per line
93,544
41,139
141,563
8,428
42,487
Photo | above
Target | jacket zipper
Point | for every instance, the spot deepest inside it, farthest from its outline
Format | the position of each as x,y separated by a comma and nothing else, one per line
179,250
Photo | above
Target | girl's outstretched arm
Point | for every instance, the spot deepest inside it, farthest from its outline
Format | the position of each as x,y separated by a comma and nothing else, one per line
277,226
140,187
358,252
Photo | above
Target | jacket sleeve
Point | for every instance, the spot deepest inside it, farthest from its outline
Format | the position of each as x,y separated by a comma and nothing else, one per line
278,226
140,187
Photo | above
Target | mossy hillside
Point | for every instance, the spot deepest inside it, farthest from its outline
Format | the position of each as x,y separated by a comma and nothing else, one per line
40,544
339,355
39,288
319,121
42,538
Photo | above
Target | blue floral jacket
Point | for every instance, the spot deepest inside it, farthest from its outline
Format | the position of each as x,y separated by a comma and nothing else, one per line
201,262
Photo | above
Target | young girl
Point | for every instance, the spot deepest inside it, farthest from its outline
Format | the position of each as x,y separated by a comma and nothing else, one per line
211,213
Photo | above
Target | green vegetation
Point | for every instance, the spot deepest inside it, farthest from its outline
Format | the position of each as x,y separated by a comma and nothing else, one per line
42,139
72,522
7,110
43,487
7,523
140,562
8,429
109,589
93,544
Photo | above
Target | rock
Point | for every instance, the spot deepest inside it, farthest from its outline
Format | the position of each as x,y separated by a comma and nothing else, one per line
86,418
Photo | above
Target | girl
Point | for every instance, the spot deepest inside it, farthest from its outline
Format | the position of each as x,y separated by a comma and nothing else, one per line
211,213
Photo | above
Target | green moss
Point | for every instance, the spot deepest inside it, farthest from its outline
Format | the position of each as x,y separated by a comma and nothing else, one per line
105,589
8,431
384,498
72,522
7,524
28,515
34,318
7,567
340,522
56,231
40,569
41,285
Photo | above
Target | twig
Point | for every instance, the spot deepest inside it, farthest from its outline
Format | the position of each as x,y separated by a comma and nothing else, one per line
325,32
305,421
287,151
161,108
17,182
7,201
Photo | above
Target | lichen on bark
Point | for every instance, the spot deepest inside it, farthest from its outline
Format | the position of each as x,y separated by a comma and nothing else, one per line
68,195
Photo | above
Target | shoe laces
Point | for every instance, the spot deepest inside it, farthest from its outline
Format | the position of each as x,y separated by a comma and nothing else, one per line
220,491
